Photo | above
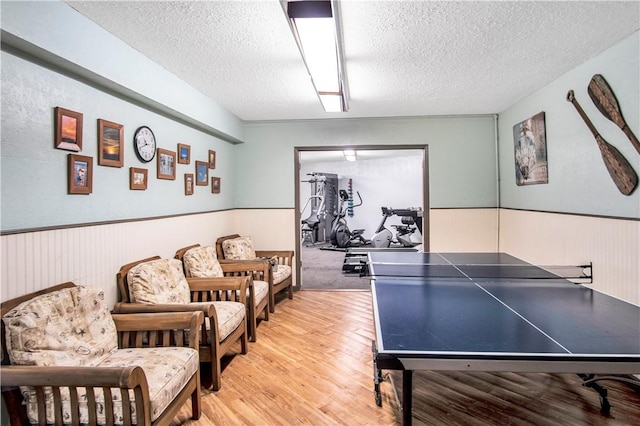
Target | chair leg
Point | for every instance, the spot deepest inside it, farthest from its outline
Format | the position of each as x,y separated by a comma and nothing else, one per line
196,409
244,346
206,375
266,312
253,323
216,372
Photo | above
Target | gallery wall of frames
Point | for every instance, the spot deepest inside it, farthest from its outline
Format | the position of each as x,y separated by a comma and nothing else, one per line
111,150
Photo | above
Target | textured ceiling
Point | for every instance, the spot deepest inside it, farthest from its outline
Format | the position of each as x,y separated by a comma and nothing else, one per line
403,58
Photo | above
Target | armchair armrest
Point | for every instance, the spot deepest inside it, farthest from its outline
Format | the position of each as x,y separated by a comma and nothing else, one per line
230,265
223,285
284,257
159,329
91,378
144,308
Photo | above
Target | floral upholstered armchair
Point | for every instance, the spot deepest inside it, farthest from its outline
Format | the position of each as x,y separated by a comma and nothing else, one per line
67,360
159,285
201,262
233,248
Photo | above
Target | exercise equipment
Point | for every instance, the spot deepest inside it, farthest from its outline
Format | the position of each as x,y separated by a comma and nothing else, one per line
316,202
341,236
411,219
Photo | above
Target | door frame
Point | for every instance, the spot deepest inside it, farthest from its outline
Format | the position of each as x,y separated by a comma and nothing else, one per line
425,188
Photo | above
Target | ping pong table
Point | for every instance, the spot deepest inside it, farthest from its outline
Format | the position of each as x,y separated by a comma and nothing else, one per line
495,312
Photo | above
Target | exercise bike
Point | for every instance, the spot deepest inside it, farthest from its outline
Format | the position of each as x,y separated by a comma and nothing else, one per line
341,236
411,222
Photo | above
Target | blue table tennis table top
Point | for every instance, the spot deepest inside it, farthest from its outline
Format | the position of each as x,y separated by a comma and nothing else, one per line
493,306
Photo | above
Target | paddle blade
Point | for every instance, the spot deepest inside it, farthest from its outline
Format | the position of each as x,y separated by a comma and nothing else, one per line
618,167
604,99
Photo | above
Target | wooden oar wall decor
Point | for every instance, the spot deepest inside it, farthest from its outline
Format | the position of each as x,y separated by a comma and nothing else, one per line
604,99
617,165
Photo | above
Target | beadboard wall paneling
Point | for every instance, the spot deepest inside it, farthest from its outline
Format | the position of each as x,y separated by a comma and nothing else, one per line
271,229
458,230
93,254
613,245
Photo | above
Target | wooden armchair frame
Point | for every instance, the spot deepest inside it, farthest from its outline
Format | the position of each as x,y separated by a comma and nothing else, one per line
284,257
136,330
203,292
253,270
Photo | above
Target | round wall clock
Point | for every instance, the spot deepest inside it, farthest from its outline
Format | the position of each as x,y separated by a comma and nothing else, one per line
144,143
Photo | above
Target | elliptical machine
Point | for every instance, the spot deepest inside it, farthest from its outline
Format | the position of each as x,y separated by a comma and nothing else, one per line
341,236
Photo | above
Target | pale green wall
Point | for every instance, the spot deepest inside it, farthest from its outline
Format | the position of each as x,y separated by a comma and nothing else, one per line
462,157
578,179
34,173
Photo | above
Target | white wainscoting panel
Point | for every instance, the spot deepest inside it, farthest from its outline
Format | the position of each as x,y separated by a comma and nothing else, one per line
93,254
613,245
459,230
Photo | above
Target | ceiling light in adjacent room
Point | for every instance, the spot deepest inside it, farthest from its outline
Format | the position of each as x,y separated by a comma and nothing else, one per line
349,155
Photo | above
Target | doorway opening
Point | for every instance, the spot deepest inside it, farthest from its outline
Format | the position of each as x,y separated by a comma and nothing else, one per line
381,177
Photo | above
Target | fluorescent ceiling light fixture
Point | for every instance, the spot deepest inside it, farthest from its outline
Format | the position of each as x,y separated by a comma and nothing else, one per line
349,155
316,28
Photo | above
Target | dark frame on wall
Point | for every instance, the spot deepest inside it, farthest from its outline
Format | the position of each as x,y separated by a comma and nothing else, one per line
138,178
68,129
80,174
202,173
184,154
166,164
215,185
188,184
110,143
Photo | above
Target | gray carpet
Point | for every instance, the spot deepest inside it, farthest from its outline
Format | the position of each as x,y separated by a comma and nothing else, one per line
322,270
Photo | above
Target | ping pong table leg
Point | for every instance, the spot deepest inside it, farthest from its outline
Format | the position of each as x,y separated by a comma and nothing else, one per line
589,380
407,388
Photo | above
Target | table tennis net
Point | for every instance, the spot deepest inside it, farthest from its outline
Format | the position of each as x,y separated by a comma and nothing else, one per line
574,273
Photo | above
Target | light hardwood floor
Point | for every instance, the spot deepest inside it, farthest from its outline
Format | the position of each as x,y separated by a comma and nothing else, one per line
312,365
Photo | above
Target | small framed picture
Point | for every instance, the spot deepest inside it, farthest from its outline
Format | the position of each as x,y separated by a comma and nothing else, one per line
110,140
184,154
215,185
188,184
137,178
68,129
80,174
212,159
166,164
202,173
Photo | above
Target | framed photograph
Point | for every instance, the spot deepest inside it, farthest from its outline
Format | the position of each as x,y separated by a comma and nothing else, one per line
215,185
184,154
530,150
110,140
166,164
80,174
137,178
202,173
188,184
212,159
68,129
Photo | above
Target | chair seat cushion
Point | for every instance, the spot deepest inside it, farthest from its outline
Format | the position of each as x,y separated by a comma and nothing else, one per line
167,370
202,262
261,290
280,273
240,248
229,316
157,282
68,327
